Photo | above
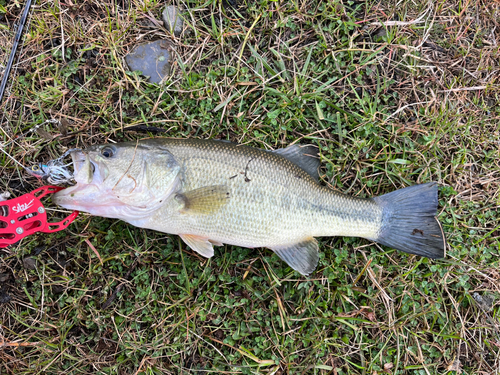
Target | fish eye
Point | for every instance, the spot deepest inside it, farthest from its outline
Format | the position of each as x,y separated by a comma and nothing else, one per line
35,168
108,151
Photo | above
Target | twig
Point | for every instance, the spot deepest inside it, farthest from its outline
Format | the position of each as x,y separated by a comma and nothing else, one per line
17,344
465,89
396,23
400,23
373,278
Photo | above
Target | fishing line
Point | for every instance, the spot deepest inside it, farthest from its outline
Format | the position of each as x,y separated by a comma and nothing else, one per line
11,158
55,171
131,162
6,74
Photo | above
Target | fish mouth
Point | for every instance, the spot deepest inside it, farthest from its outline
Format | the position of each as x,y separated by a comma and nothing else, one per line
88,194
79,159
86,169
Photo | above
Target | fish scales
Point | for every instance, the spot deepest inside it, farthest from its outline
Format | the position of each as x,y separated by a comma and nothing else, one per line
215,192
273,202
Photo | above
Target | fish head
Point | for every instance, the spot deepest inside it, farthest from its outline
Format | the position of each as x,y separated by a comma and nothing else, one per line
125,180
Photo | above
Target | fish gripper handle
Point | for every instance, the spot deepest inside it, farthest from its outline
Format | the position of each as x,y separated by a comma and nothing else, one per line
26,215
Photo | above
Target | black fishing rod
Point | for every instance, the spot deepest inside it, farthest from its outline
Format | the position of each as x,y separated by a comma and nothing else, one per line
19,34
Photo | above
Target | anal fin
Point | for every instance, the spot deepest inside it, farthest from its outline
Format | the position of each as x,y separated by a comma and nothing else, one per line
201,245
205,200
302,257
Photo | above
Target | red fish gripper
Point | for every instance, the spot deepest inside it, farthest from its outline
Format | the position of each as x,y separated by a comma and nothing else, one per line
25,215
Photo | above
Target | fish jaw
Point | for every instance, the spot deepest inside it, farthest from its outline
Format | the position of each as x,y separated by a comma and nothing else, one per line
89,198
89,194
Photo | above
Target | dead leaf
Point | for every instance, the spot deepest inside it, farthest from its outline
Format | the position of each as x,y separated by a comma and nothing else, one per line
351,314
63,127
455,366
45,135
368,313
388,367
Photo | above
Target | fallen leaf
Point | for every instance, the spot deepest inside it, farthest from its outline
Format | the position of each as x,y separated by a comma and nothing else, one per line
455,366
45,135
368,313
63,127
388,367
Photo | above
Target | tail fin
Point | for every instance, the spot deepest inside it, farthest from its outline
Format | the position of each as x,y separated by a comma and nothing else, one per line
409,223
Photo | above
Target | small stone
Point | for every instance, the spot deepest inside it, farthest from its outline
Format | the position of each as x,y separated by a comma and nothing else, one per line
29,263
484,301
4,277
4,297
172,19
152,59
58,289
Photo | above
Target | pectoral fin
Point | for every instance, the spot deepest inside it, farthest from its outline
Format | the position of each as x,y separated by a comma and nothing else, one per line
199,244
205,200
302,257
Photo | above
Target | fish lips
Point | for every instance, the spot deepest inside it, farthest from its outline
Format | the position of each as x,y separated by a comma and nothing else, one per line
88,194
84,197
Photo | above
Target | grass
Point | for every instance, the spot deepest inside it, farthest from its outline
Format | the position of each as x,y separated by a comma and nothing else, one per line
389,106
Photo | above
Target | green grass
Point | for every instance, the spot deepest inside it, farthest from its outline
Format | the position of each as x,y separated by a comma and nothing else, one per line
387,108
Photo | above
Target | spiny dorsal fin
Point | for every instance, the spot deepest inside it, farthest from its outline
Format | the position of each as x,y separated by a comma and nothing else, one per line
306,157
204,200
199,244
302,257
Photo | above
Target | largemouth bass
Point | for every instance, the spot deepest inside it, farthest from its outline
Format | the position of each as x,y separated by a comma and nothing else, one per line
214,192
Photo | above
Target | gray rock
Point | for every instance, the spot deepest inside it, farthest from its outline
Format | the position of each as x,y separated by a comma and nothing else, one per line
172,19
29,263
152,59
484,301
4,297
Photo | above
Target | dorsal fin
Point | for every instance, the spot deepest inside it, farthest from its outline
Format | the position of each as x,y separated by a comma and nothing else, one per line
306,157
